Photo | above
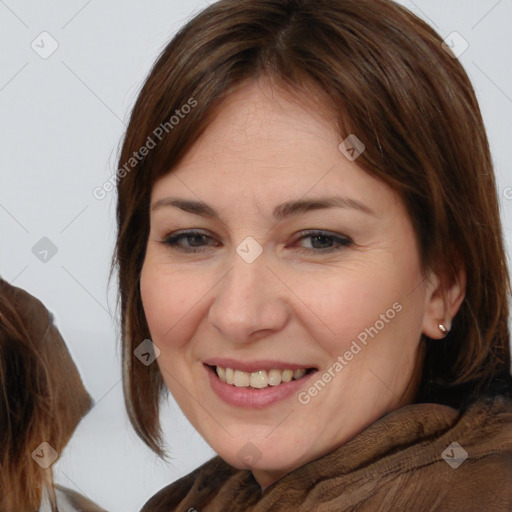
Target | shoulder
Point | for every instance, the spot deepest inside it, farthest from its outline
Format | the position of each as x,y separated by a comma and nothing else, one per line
483,439
201,481
480,483
490,418
492,448
473,470
68,500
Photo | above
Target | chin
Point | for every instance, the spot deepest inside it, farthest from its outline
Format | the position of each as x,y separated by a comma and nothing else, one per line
258,455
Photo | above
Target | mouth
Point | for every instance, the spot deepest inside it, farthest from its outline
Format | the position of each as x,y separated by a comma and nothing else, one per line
256,384
259,379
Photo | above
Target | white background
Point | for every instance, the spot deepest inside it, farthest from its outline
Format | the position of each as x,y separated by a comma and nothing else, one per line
61,123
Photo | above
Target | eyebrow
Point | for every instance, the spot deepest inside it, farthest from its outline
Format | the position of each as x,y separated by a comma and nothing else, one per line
280,212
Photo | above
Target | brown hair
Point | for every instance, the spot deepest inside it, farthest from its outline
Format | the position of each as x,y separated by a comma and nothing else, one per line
387,78
42,398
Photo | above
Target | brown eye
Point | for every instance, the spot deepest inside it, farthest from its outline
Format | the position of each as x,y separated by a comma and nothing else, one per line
195,241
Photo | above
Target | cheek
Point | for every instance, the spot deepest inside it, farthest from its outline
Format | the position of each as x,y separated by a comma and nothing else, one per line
363,302
166,298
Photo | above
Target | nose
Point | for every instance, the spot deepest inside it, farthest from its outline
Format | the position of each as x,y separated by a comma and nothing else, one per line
250,302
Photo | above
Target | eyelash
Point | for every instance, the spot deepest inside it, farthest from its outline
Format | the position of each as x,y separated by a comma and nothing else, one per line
172,242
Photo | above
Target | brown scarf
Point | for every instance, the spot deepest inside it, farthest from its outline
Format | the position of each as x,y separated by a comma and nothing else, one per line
396,464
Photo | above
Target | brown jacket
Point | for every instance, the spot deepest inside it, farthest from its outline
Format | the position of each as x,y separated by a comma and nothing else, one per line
402,462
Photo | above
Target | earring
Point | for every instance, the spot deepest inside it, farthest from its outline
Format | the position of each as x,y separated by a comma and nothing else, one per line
443,329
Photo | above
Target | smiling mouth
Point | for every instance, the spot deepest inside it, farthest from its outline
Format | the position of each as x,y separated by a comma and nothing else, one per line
260,379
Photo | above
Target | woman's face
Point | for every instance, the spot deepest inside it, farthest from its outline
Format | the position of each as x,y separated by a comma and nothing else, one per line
301,261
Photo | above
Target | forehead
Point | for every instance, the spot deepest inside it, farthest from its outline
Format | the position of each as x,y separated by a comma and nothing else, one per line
261,119
268,145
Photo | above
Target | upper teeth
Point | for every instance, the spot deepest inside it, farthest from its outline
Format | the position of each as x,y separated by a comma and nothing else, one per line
259,379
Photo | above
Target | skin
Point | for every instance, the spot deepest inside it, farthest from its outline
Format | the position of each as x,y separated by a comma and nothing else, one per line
264,148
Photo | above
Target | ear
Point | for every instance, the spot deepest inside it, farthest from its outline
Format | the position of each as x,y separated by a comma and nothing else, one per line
442,302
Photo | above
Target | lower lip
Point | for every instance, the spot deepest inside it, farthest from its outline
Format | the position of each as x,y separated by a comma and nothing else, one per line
254,398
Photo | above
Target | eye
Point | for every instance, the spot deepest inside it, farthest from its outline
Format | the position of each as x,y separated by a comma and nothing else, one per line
323,242
196,239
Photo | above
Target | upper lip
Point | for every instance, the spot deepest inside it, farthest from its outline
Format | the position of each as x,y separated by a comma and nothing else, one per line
254,366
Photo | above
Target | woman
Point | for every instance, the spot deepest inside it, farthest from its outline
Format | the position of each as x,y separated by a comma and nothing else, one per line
42,401
309,233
